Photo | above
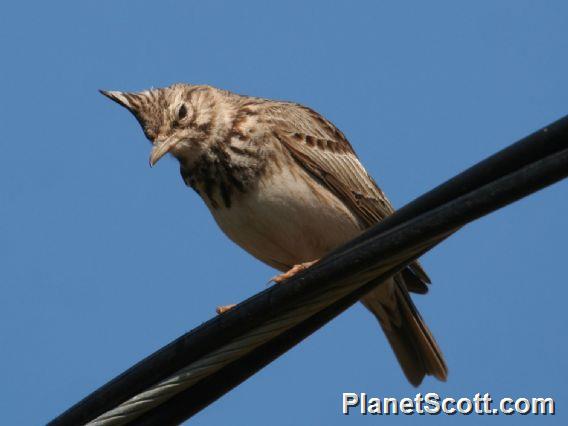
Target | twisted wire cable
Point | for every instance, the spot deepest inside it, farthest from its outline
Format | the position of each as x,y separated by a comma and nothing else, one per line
146,392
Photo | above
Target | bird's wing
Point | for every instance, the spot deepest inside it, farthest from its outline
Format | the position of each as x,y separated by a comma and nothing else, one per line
324,152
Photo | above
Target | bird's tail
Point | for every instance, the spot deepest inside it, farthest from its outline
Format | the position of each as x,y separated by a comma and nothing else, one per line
411,340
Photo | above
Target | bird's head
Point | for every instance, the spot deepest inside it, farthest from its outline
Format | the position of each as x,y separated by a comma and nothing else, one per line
179,119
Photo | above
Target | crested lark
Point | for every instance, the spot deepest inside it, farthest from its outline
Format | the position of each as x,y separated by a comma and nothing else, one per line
284,184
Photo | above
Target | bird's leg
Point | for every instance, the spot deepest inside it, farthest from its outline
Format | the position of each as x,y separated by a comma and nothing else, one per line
277,279
222,309
292,271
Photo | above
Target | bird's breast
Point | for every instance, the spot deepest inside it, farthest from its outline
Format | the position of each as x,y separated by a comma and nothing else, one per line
287,218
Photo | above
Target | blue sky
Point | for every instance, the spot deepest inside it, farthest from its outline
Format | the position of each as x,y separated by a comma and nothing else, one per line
105,260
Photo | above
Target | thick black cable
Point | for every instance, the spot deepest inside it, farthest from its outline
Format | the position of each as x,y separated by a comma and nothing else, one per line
260,307
442,220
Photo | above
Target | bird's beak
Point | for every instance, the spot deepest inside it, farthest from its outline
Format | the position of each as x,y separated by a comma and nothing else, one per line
135,103
161,148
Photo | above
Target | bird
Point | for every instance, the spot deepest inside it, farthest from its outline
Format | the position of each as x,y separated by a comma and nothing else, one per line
284,184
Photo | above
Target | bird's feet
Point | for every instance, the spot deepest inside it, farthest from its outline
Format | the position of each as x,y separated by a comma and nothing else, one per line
292,271
277,279
222,309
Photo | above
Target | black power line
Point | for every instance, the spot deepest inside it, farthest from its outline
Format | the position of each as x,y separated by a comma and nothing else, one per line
521,169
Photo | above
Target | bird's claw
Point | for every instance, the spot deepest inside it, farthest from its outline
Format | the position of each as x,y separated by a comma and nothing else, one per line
291,272
222,309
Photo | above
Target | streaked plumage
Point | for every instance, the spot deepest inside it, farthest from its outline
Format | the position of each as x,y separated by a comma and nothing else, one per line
284,184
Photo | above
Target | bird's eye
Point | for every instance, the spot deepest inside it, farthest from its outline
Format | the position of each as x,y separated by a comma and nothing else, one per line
182,113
